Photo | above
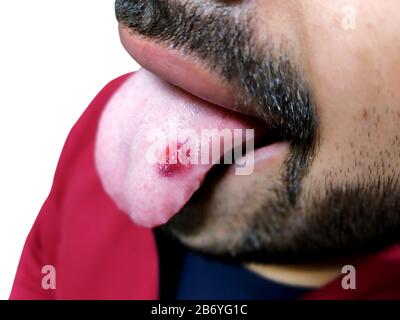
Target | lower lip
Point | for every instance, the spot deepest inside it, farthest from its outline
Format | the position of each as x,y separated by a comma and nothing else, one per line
265,156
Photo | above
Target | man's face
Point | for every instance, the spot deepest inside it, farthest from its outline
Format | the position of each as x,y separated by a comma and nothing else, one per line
325,75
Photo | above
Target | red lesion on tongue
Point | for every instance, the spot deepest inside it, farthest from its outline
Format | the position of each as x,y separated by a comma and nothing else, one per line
171,164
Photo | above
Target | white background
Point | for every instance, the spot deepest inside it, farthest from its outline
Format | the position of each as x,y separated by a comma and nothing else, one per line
54,57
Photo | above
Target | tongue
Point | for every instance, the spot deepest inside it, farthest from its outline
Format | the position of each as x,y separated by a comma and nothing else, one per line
146,164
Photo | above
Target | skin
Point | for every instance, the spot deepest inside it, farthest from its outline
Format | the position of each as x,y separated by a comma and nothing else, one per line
352,65
355,75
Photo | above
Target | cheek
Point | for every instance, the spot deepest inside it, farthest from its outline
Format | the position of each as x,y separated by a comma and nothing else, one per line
355,86
277,20
362,148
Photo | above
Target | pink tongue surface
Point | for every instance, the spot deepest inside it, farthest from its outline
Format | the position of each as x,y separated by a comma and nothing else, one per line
152,189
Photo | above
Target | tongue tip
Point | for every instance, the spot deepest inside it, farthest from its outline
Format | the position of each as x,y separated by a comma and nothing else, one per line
156,215
148,221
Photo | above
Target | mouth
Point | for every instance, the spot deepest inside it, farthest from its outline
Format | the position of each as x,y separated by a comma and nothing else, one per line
173,90
187,73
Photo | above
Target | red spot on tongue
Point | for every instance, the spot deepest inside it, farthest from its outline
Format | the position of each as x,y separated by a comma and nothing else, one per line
171,164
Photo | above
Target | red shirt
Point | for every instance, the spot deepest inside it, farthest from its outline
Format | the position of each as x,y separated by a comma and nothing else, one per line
98,253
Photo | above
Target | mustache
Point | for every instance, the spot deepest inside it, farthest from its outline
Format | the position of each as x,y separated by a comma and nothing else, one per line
223,40
225,44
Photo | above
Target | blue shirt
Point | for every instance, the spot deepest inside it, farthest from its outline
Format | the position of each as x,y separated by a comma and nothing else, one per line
204,278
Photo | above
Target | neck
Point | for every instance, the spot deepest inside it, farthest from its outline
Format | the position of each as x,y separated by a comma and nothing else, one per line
315,275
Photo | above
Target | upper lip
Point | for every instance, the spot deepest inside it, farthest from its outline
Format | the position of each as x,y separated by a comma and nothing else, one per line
182,71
